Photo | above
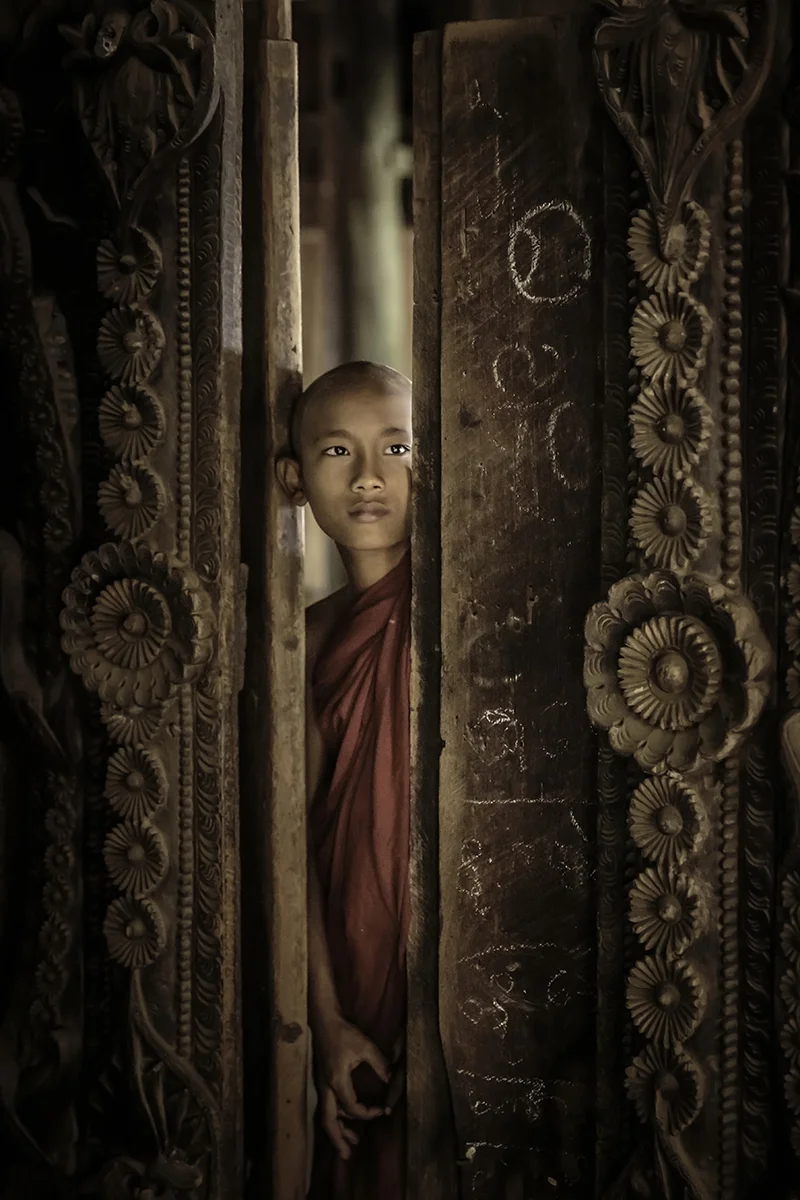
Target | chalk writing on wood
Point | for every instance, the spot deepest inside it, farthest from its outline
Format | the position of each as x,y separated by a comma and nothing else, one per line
519,498
571,485
566,226
496,735
515,1094
502,367
501,798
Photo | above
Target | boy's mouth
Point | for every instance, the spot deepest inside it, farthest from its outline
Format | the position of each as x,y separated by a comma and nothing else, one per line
368,510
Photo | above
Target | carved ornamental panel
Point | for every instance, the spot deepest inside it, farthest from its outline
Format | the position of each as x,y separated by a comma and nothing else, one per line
120,278
617,972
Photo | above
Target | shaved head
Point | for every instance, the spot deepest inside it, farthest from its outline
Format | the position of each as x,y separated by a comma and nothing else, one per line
346,379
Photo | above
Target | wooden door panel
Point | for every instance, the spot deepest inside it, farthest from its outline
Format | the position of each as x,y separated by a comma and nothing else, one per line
610,362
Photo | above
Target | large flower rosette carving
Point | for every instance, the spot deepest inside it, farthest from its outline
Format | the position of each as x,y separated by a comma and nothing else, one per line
676,670
135,627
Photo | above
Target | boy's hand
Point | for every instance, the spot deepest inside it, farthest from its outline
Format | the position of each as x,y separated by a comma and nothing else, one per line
334,1124
342,1049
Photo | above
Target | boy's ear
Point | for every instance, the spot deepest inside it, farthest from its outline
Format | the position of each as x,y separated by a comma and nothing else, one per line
291,479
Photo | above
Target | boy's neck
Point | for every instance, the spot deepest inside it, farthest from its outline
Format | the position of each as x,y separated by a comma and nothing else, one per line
365,567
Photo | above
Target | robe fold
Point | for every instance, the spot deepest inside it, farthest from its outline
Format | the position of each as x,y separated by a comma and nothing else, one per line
360,832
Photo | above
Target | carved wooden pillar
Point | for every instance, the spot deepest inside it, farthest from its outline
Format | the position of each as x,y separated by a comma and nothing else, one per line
788,960
679,662
131,183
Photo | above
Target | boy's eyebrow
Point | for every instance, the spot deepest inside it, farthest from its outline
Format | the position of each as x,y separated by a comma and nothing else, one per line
391,429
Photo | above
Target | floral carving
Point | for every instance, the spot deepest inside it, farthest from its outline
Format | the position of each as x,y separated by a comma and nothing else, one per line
672,1076
685,252
163,54
59,860
136,858
664,912
793,582
671,428
131,422
790,943
136,784
56,896
669,338
790,1040
130,344
793,633
676,670
791,1090
790,894
671,521
135,627
676,76
55,937
131,500
128,272
134,931
670,671
51,979
794,528
133,724
790,990
665,820
666,1000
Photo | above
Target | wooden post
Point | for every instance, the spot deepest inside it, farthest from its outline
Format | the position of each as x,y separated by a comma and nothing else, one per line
431,1158
273,793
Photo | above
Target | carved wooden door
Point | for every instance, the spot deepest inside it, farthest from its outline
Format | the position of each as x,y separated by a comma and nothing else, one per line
120,1055
608,460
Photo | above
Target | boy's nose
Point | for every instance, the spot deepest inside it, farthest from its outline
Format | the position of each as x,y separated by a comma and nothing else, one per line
367,478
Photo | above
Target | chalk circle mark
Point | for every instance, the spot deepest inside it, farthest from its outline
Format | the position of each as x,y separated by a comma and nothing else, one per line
503,367
557,223
566,406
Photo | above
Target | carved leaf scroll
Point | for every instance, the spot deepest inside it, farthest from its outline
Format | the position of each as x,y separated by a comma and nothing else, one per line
678,76
145,89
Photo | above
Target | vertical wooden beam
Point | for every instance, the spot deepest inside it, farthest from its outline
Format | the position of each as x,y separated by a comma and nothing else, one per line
431,1143
285,732
521,444
278,20
273,790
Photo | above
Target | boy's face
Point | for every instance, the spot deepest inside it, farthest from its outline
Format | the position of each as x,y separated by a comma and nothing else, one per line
355,467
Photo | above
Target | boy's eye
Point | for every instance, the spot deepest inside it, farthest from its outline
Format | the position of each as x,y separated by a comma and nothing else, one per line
398,449
336,451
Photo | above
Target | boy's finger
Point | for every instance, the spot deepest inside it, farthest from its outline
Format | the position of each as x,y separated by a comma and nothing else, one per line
350,1134
332,1126
348,1101
372,1056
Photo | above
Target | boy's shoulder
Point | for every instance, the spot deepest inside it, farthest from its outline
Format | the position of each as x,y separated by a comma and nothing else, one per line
320,620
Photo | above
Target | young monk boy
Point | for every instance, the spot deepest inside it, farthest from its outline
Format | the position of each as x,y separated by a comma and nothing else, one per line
351,462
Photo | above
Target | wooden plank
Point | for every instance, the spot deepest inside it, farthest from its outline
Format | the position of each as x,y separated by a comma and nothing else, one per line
431,1156
278,19
521,499
286,722
273,796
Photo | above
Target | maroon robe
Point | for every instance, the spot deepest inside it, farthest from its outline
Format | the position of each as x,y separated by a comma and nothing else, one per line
359,826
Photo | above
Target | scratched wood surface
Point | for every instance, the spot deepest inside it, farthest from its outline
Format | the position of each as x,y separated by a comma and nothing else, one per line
431,1155
273,854
521,397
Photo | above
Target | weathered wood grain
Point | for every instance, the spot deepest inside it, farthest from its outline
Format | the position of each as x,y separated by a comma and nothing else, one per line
431,1143
273,786
521,403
